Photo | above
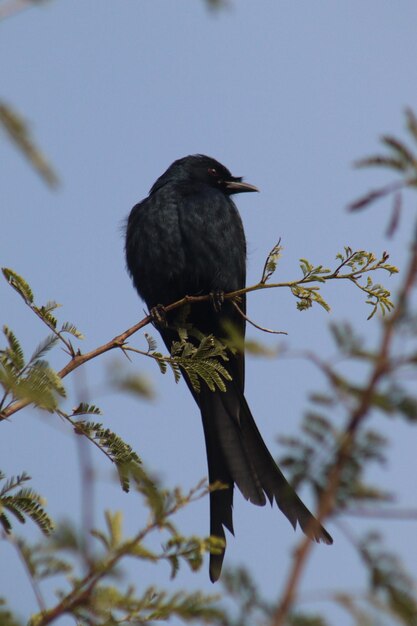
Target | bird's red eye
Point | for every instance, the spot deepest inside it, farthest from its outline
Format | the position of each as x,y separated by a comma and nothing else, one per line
212,171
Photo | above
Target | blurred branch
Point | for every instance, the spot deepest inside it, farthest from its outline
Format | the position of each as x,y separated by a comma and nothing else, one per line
18,131
388,514
23,559
12,7
84,597
358,415
217,4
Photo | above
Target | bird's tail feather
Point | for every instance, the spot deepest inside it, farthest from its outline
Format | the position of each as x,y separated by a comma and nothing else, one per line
221,500
237,453
249,462
272,479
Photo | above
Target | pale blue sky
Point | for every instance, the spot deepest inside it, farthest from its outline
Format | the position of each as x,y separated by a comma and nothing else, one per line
287,95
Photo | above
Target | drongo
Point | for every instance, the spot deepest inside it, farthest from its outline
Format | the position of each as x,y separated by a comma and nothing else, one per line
187,238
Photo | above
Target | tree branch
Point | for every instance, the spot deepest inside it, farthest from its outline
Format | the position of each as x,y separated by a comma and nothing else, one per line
358,415
311,275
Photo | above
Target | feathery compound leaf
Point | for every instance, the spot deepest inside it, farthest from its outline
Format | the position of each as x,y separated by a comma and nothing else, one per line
152,345
28,502
175,370
5,523
161,361
401,150
122,455
201,362
18,132
24,503
306,266
86,409
411,122
306,296
271,262
14,353
45,314
389,580
41,385
67,327
211,371
193,378
187,606
13,482
19,284
381,161
44,379
44,347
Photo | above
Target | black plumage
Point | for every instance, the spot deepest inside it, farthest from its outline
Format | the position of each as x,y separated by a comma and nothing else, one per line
187,238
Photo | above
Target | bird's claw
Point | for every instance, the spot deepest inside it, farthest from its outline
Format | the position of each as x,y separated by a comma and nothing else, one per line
158,314
217,299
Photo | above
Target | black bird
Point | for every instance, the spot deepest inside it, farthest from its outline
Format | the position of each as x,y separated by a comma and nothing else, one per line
187,238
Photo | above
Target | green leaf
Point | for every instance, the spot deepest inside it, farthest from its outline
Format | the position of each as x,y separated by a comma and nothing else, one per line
44,347
271,262
306,266
152,345
22,503
19,284
41,385
114,522
18,132
86,409
14,353
136,384
411,122
122,455
6,617
67,327
45,314
13,482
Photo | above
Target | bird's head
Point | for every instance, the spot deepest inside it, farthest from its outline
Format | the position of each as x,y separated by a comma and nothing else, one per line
198,168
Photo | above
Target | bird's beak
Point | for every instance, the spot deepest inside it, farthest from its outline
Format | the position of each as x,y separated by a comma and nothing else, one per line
237,186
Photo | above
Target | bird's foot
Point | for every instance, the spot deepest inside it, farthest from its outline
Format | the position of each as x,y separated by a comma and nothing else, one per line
158,314
217,299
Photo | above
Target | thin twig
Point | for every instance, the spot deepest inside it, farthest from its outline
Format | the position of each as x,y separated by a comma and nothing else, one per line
34,584
262,328
389,514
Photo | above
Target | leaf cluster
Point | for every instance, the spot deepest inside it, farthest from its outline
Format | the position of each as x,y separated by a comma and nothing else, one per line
311,456
18,132
392,589
90,593
34,380
352,267
118,451
390,598
6,616
22,503
200,359
400,159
